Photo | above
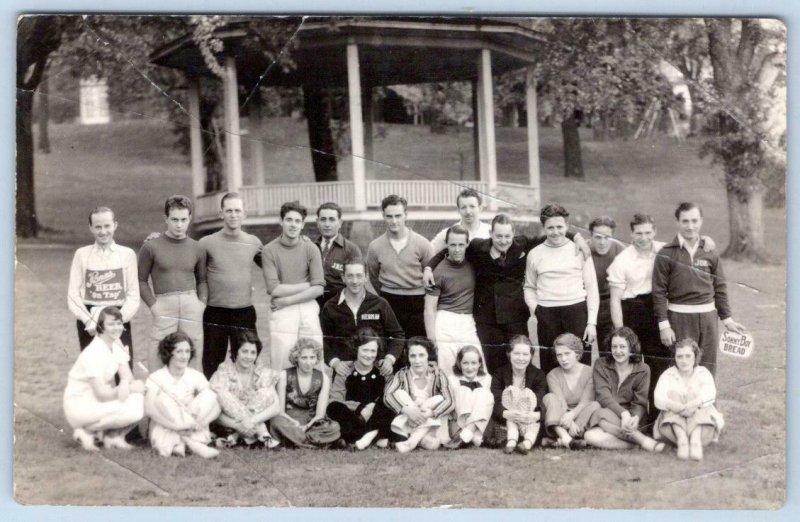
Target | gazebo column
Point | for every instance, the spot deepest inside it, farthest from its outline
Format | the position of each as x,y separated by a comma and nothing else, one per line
233,140
476,131
486,150
196,138
356,128
533,134
256,136
369,116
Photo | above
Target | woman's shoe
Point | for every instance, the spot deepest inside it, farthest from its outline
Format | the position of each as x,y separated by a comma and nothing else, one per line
510,446
117,442
85,439
578,444
524,447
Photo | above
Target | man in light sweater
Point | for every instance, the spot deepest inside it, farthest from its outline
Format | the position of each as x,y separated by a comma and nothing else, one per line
176,264
560,288
690,293
448,304
230,254
469,203
395,261
293,273
103,274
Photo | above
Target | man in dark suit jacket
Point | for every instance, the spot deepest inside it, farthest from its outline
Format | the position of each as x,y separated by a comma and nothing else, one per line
499,262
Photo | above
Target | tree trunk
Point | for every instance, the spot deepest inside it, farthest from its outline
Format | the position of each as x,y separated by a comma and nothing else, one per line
320,138
27,225
573,164
43,115
745,214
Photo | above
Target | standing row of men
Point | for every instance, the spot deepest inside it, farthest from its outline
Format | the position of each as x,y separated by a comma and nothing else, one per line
463,287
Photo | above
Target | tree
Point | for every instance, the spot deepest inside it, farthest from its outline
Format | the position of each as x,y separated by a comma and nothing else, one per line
748,58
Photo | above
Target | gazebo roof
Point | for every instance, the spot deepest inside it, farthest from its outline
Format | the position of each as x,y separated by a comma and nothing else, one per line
392,51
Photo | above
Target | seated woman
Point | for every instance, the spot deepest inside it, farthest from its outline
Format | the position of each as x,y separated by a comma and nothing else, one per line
246,392
94,405
621,381
180,402
472,393
685,394
420,394
357,394
303,391
519,389
570,403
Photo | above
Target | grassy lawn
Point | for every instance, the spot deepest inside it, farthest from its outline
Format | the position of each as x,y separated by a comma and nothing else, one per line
132,167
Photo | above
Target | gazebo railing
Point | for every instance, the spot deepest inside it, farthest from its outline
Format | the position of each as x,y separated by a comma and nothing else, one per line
266,200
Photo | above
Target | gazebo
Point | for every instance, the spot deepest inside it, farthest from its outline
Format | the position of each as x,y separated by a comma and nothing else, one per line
360,54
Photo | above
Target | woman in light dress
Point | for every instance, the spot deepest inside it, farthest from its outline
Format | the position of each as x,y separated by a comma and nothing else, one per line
180,402
95,407
471,387
685,394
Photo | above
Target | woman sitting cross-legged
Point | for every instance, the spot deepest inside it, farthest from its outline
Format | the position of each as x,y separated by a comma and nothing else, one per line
570,403
180,402
621,382
247,393
95,407
685,394
304,392
472,393
519,388
420,394
357,394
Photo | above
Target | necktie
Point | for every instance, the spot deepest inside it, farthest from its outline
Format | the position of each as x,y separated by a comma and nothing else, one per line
472,385
326,245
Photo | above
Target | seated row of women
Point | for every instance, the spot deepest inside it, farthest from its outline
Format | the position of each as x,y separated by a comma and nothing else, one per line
574,406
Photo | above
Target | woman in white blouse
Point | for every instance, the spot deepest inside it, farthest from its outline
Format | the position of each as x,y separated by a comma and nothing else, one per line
685,394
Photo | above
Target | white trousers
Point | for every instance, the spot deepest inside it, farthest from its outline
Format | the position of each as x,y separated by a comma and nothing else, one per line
452,332
289,324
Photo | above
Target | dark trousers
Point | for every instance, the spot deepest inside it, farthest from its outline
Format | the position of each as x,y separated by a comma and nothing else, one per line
553,321
604,323
703,328
494,340
410,313
220,325
638,315
127,339
353,426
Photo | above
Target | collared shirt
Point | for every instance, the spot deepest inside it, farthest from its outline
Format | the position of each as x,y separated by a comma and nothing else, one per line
103,277
342,299
340,249
632,271
483,231
685,245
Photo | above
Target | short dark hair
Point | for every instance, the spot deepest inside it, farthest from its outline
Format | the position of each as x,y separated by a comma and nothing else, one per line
691,343
642,219
519,339
685,207
230,195
460,357
168,344
393,199
364,335
571,341
330,205
354,261
101,210
420,340
105,313
603,221
456,229
551,211
630,337
177,202
468,193
245,336
293,206
502,219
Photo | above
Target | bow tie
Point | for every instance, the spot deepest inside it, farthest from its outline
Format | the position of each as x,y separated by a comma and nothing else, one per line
470,384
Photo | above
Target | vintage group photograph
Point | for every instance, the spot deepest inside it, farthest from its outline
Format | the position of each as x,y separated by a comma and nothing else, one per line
400,261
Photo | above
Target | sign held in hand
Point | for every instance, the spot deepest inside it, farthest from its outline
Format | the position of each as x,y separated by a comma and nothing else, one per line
736,344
